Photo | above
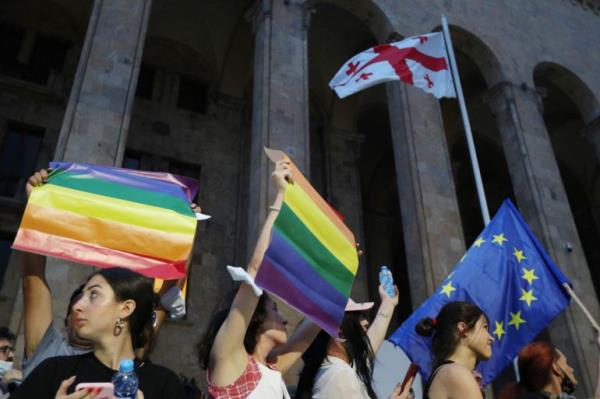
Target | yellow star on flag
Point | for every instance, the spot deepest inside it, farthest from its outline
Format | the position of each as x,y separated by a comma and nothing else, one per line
478,242
519,255
515,319
527,297
529,275
499,331
499,239
448,288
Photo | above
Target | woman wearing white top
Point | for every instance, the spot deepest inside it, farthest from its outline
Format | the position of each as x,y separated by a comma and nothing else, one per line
245,349
343,368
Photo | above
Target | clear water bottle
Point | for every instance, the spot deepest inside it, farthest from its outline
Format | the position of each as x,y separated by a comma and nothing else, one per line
387,280
125,381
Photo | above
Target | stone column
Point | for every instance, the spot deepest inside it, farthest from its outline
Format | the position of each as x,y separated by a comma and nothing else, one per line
98,112
99,109
279,108
544,204
280,99
343,153
433,235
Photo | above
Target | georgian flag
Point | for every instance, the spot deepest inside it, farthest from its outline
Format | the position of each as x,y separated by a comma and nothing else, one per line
420,61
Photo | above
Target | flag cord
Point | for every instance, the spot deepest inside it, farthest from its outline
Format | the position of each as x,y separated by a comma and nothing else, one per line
582,306
485,213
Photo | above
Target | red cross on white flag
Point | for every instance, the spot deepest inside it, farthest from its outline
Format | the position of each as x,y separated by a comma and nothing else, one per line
419,60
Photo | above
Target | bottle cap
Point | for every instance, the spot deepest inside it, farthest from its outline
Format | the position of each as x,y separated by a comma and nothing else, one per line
126,366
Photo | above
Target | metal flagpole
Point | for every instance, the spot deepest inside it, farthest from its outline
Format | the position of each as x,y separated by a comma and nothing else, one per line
465,117
485,212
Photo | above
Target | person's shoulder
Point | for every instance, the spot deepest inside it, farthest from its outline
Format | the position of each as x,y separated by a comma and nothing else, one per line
453,370
456,378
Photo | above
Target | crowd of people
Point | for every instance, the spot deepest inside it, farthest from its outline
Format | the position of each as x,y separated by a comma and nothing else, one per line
246,350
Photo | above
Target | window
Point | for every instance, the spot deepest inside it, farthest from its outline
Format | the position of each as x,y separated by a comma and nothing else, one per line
145,82
192,95
18,157
48,56
10,45
132,160
5,243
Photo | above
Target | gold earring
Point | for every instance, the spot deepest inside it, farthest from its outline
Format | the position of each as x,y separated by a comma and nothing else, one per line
119,324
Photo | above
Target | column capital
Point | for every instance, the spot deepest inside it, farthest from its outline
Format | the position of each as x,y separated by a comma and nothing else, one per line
258,12
502,94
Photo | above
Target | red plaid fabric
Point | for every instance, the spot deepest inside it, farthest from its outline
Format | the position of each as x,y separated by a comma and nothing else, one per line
242,387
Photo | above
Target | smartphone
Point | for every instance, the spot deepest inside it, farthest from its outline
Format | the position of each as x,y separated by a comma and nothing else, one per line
410,373
107,389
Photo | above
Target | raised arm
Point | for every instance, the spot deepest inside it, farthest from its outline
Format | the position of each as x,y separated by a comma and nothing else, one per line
380,324
286,355
228,356
37,298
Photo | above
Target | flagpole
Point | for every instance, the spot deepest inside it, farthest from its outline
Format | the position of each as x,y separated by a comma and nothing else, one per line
465,118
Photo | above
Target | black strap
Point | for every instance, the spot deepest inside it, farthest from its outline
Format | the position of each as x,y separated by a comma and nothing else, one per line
426,390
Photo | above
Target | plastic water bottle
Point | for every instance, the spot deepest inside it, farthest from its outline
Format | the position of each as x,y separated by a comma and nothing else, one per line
387,280
125,381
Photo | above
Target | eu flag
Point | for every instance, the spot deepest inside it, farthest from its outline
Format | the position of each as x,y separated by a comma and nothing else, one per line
509,275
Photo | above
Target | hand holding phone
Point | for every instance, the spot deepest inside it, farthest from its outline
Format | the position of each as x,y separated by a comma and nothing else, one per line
104,390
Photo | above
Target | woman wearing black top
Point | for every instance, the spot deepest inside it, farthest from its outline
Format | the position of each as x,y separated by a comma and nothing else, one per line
114,312
460,340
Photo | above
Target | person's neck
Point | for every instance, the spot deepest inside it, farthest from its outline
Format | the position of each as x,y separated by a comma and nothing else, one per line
263,348
336,350
113,349
465,357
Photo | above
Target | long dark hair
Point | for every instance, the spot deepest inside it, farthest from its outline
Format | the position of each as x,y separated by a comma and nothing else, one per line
217,320
128,284
445,334
535,369
358,348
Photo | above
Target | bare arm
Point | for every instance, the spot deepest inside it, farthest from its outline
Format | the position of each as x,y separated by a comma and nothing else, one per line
379,326
37,298
228,356
286,355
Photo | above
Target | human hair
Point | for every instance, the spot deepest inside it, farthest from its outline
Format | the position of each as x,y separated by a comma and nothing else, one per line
445,335
127,284
74,297
358,349
6,334
218,318
535,369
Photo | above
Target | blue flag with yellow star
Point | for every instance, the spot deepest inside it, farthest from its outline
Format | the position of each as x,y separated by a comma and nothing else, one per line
509,275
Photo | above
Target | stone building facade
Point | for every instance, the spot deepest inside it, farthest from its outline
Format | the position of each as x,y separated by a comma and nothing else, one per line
199,87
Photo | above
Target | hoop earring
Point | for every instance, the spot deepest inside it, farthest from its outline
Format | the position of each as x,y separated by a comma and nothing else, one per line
119,324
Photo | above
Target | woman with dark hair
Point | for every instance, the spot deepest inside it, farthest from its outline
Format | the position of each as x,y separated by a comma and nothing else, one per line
460,339
545,374
343,368
245,350
114,312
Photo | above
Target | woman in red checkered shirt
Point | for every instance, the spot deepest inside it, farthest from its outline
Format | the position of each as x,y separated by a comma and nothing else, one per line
246,350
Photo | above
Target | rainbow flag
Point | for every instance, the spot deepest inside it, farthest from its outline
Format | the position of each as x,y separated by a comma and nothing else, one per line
311,261
107,217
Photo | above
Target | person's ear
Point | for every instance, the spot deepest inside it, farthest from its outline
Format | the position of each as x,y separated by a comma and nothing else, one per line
127,308
556,369
462,328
